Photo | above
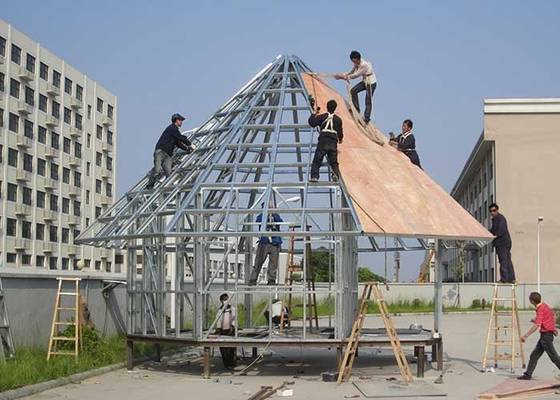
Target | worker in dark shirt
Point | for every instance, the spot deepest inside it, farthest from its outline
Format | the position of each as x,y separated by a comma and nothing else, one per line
330,135
406,142
169,139
545,323
502,244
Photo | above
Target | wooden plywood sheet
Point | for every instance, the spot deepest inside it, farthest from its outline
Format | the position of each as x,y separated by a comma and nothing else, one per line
514,388
390,194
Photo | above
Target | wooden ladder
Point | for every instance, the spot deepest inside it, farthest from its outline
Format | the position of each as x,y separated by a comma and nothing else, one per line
503,332
312,315
7,349
353,342
71,310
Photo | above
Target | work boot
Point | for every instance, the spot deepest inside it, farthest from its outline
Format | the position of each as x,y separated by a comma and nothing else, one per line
524,377
313,179
334,178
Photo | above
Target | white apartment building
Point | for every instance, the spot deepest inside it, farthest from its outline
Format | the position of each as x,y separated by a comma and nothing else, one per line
57,159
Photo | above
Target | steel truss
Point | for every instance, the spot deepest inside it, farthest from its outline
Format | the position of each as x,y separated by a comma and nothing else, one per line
253,156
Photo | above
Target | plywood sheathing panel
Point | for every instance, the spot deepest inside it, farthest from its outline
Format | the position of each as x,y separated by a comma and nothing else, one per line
390,194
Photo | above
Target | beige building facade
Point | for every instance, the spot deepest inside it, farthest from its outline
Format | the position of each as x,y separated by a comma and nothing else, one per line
57,166
515,163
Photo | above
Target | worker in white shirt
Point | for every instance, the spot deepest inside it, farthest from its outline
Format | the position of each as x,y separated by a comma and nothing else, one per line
361,69
226,326
276,310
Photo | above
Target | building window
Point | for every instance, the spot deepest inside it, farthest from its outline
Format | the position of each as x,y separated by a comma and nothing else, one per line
53,233
12,192
110,111
65,235
41,167
27,162
99,132
53,202
65,205
99,105
14,88
2,46
67,115
108,266
77,208
26,230
79,92
40,199
13,123
98,186
89,111
77,179
77,150
11,258
39,261
54,171
44,71
2,82
66,145
68,86
56,78
16,54
12,157
65,263
98,265
109,137
27,196
30,63
88,140
108,189
88,168
42,134
28,129
97,212
52,262
26,259
78,121
43,103
55,140
87,196
75,234
55,109
40,231
11,227
109,163
29,96
98,159
65,175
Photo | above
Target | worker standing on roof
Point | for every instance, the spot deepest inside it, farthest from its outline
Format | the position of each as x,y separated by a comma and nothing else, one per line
330,135
361,69
406,142
169,139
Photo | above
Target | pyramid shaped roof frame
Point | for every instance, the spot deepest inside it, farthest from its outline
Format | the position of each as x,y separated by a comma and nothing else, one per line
253,156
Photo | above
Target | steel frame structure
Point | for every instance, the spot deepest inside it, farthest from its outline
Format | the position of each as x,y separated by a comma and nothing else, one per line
253,156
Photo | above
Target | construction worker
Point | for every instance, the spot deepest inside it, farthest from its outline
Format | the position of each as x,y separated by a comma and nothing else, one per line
406,142
226,326
545,323
361,69
277,309
502,244
169,139
330,135
268,247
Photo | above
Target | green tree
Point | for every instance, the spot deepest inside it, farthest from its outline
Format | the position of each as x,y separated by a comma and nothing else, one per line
320,261
366,275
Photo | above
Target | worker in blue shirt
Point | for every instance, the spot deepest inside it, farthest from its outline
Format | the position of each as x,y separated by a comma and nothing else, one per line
268,246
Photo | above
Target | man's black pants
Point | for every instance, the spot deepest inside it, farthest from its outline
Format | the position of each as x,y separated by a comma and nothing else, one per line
360,87
507,274
545,344
325,147
229,354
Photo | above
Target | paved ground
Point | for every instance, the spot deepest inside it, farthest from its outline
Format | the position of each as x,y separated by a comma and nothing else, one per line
179,377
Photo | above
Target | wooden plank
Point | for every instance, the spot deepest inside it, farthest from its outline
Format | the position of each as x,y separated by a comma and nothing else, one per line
390,194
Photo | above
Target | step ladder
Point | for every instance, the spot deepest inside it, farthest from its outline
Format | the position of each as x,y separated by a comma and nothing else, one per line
7,349
345,369
311,315
66,313
503,328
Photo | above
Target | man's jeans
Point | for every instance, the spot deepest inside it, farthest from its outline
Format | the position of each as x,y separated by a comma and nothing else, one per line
263,251
162,163
360,87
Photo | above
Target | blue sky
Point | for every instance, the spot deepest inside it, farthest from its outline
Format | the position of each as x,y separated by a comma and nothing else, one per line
435,60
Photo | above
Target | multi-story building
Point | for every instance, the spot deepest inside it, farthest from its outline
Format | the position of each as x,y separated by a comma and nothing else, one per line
57,159
515,164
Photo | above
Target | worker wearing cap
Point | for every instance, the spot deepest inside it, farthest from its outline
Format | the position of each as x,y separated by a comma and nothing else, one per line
361,69
169,139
